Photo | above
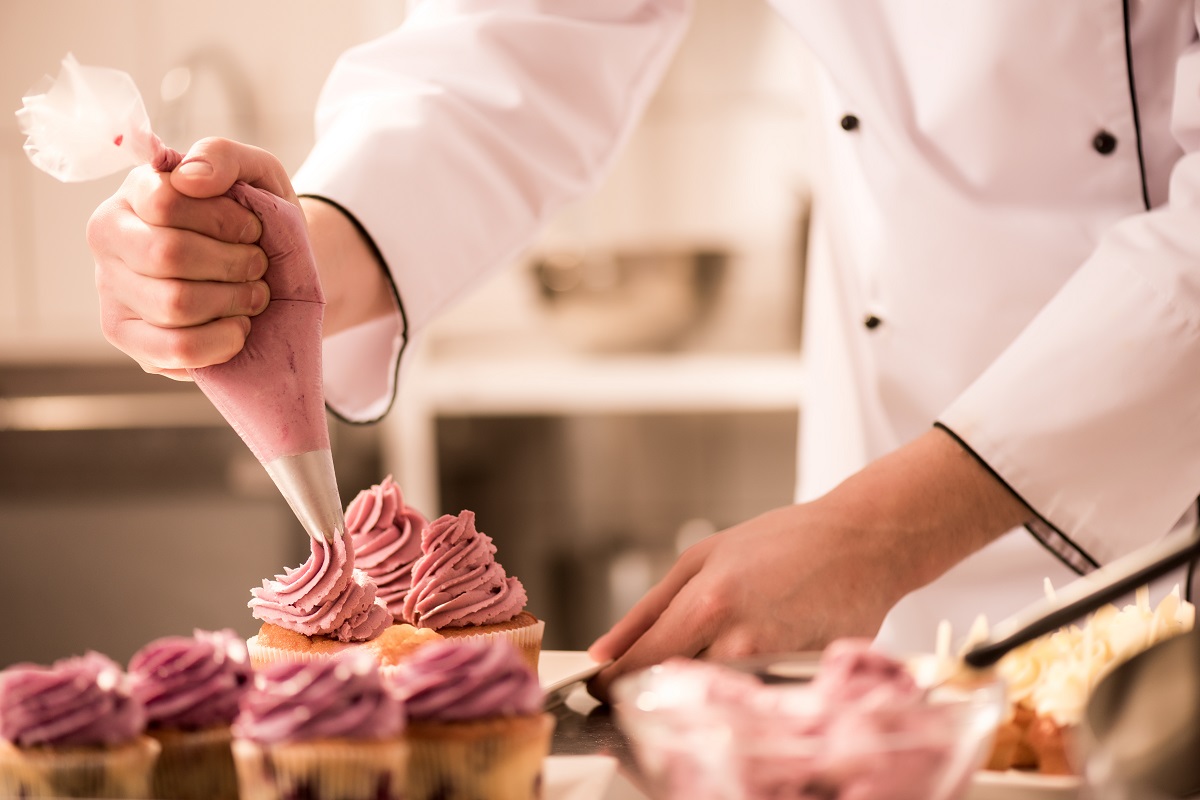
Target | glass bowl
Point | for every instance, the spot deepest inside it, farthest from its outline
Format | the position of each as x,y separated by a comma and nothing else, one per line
756,731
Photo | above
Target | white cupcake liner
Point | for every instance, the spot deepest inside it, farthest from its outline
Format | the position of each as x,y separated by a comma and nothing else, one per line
119,771
497,759
527,639
325,769
194,765
264,656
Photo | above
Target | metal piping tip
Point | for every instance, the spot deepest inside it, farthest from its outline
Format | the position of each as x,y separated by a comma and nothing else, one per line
308,484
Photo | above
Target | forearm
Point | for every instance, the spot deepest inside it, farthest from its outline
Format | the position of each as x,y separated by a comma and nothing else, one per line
925,507
353,278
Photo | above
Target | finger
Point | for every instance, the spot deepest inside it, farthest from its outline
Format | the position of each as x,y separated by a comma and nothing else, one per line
213,165
173,303
172,253
155,201
648,609
170,350
679,631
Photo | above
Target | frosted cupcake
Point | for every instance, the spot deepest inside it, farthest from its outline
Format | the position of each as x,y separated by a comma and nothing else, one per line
190,687
460,591
475,722
72,729
386,535
322,730
318,609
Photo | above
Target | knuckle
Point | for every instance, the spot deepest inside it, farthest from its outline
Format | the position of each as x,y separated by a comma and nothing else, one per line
166,252
161,205
710,606
174,302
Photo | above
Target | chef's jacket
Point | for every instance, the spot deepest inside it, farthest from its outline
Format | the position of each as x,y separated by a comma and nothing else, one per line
1009,229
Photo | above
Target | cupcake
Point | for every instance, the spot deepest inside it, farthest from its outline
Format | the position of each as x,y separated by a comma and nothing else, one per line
73,729
190,687
475,722
386,535
318,609
460,591
321,730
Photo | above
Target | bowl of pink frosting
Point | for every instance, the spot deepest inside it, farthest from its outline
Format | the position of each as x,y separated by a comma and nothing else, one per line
849,724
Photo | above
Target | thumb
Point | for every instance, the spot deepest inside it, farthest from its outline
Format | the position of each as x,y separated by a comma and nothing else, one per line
213,165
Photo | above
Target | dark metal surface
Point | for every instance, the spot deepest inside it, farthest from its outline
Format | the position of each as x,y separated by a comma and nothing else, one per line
585,727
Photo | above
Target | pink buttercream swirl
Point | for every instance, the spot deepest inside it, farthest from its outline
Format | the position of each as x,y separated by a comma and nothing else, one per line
84,700
457,582
339,698
386,535
460,679
324,596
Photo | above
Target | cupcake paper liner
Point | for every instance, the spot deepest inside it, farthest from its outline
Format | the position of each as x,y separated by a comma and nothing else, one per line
264,655
194,765
100,772
497,759
394,645
327,769
527,638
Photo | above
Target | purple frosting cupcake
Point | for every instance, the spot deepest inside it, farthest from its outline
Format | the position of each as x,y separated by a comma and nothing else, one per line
476,725
325,730
190,687
73,729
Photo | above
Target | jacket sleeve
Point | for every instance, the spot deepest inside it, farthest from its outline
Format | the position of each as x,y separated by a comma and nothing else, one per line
453,138
1092,415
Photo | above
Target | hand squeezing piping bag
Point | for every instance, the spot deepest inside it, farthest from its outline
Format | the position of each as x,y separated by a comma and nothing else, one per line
91,122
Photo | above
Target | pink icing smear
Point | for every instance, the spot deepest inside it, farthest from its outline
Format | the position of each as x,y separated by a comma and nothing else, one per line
386,534
456,582
861,729
324,596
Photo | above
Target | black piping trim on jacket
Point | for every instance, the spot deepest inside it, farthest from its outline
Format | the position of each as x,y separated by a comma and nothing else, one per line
1191,567
395,293
1133,101
1054,540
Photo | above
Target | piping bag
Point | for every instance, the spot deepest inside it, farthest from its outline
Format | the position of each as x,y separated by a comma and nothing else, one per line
91,122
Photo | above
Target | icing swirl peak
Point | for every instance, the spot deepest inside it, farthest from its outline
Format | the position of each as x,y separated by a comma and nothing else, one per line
85,700
324,596
191,682
460,679
338,698
456,582
386,535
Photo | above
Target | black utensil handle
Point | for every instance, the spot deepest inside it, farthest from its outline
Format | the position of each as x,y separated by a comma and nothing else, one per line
1087,594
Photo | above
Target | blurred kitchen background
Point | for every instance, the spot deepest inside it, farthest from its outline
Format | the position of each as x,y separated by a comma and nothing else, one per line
629,385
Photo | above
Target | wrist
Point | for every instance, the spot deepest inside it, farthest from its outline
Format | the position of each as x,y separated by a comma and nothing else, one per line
924,507
353,277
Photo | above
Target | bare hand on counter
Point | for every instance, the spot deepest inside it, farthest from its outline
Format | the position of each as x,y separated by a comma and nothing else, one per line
797,577
179,272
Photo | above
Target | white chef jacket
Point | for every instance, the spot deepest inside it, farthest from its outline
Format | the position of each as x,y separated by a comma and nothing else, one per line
986,228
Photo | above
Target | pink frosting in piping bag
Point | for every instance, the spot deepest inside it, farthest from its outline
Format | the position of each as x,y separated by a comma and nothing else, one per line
91,122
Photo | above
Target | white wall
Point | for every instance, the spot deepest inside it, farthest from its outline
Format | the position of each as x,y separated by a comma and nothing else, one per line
277,52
